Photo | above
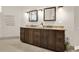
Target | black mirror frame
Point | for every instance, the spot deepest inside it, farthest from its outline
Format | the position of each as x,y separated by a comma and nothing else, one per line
30,20
54,15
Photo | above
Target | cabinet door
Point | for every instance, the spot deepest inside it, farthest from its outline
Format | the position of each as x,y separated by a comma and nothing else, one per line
22,34
60,40
30,36
51,39
44,37
27,35
36,37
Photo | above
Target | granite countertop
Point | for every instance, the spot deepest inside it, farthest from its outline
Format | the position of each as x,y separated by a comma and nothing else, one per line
38,27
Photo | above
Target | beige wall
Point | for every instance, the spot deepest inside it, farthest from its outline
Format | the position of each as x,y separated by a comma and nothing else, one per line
8,31
76,25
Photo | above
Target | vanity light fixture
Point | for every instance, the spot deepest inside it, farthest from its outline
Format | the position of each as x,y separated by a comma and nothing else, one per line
40,13
26,14
40,9
60,6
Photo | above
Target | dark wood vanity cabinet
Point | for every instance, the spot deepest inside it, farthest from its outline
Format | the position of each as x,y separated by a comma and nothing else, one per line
36,37
22,34
30,33
51,40
60,40
26,36
46,38
43,40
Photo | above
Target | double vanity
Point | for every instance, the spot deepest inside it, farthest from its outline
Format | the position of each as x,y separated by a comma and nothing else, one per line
45,37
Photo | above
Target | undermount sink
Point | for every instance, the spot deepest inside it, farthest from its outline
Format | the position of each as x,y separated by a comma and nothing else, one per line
48,26
53,26
34,25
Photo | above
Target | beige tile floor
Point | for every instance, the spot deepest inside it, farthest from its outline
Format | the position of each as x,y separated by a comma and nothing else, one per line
15,45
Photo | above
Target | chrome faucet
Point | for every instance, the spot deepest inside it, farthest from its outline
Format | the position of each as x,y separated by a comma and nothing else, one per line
42,23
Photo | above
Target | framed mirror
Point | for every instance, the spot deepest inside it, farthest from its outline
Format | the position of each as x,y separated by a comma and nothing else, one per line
33,16
50,14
